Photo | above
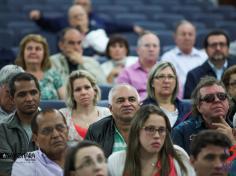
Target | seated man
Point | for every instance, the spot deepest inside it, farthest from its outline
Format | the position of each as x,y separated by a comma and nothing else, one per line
148,49
71,56
209,153
6,104
16,134
50,133
112,132
210,110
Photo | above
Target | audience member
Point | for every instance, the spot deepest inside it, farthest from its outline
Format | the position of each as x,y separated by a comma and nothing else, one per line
216,45
50,134
162,89
184,56
16,134
87,158
82,96
148,49
229,80
56,24
210,108
71,56
7,106
209,153
150,152
112,132
33,57
94,40
117,52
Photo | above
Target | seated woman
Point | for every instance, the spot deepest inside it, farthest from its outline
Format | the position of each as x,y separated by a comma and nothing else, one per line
33,57
229,80
150,152
117,51
82,95
162,89
86,159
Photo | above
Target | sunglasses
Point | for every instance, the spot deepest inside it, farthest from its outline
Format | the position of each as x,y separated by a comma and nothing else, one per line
209,98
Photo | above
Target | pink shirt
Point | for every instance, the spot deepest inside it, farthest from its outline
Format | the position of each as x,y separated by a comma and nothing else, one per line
136,76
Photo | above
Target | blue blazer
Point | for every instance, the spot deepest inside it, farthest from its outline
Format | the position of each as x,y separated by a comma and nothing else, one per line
184,108
194,76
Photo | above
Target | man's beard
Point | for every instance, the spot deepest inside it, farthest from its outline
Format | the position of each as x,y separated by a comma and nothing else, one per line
218,57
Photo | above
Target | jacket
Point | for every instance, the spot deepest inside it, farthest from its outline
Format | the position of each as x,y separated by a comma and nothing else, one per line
103,132
14,143
184,108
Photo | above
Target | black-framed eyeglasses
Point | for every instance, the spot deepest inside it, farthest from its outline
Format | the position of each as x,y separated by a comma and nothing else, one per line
214,45
151,130
49,130
209,98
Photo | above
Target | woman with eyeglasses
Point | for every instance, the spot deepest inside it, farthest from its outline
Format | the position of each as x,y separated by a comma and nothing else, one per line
229,80
162,90
150,152
86,159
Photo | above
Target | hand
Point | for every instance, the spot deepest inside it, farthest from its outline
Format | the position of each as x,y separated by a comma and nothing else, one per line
34,15
75,57
138,29
223,127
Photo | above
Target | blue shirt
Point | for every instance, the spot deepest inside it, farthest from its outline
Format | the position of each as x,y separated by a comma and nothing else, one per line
36,164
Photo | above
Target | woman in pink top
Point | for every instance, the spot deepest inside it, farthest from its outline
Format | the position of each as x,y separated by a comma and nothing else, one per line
82,94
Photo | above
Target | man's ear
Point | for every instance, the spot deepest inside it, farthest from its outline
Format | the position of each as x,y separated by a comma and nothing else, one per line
110,107
72,173
34,139
192,159
61,45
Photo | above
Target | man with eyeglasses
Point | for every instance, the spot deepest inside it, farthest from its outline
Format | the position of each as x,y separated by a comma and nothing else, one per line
16,134
50,133
112,132
211,105
71,56
216,45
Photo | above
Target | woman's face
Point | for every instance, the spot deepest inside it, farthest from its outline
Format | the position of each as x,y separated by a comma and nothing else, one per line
83,92
90,161
117,51
153,134
232,85
164,83
33,53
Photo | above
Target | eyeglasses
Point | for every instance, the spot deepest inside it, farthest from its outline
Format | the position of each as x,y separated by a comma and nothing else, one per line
49,130
151,130
89,162
164,77
209,98
214,45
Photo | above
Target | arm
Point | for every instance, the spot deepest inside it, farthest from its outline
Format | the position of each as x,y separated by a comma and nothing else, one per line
190,84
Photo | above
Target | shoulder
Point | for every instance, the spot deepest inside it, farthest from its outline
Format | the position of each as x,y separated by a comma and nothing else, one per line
117,157
168,55
114,160
104,122
57,56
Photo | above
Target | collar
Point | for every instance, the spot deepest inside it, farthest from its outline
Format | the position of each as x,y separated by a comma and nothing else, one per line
194,52
214,68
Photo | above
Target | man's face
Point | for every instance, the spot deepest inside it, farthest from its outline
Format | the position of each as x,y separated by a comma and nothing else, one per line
217,49
6,101
52,134
211,111
211,161
124,104
185,37
232,85
26,97
78,17
149,49
72,42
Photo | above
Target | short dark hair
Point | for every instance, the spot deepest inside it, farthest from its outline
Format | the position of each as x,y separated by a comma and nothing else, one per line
216,32
71,155
63,32
227,74
208,137
205,81
24,76
34,123
116,38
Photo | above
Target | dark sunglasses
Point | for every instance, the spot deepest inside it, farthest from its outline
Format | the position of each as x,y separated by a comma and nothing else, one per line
209,98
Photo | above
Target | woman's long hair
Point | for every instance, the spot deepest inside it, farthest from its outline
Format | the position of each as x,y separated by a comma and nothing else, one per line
133,162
